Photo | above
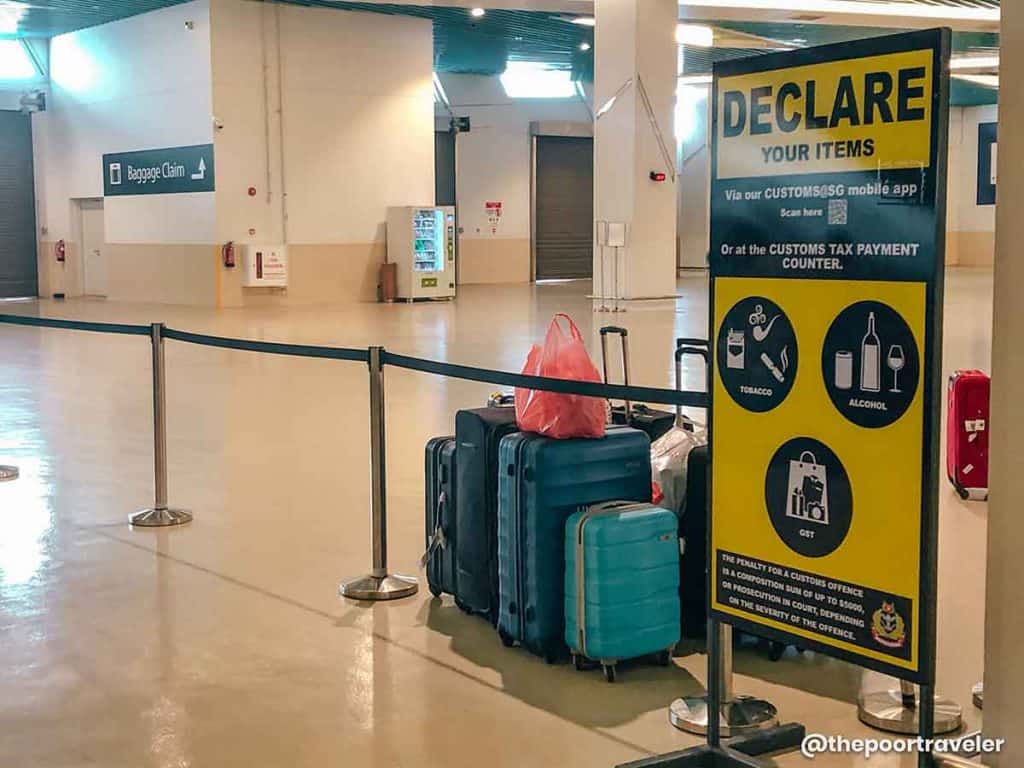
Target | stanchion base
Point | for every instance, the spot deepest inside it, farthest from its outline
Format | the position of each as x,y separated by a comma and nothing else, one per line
160,518
379,587
885,711
8,473
743,714
978,695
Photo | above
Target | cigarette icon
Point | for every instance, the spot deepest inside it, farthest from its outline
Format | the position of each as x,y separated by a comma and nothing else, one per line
772,367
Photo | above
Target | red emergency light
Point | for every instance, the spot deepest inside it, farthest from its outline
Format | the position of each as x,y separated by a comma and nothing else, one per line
657,176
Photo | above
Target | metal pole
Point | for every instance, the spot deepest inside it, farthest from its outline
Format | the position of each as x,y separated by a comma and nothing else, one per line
378,585
902,710
159,515
738,714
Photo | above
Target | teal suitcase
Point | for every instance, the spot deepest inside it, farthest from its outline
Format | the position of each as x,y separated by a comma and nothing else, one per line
621,584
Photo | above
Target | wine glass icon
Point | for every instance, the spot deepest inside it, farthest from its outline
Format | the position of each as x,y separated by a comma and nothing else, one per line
896,361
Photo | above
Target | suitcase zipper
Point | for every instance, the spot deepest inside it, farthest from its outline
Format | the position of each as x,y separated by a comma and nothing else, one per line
519,563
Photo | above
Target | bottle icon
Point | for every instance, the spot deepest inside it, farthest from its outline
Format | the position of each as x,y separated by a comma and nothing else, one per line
844,369
870,359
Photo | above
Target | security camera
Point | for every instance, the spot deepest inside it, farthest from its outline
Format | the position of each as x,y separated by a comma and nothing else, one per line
33,101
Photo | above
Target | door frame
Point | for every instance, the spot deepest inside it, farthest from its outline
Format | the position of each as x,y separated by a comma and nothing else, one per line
78,206
538,128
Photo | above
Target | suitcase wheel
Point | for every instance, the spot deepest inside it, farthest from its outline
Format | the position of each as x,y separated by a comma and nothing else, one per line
776,650
434,590
664,659
578,663
609,672
506,639
963,493
550,658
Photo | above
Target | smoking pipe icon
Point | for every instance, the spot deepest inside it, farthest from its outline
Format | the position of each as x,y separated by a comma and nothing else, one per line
757,320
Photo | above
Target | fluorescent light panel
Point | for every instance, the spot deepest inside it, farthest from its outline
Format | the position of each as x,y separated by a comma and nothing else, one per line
974,62
15,63
696,35
536,80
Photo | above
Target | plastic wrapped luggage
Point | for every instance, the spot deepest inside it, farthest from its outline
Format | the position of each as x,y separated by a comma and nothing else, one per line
542,482
440,516
621,584
967,427
478,434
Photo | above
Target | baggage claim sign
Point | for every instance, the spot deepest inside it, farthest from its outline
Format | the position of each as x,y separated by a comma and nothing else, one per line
827,226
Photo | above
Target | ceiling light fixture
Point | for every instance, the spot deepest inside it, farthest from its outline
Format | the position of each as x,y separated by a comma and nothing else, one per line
476,13
695,80
974,62
853,7
585,21
696,35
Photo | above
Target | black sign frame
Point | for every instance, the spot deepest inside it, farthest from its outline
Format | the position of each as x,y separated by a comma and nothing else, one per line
939,41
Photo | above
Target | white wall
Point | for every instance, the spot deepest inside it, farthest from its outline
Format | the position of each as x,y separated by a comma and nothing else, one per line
141,83
329,115
494,164
970,227
692,115
357,111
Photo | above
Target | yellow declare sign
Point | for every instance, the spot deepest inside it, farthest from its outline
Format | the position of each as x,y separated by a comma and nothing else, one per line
827,250
857,114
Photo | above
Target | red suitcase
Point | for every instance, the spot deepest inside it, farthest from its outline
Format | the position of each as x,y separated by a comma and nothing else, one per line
967,433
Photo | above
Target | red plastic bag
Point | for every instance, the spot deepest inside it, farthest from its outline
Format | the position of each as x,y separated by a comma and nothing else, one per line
553,414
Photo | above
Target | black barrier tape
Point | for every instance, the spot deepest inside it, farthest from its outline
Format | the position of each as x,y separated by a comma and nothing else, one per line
269,347
546,384
469,373
76,325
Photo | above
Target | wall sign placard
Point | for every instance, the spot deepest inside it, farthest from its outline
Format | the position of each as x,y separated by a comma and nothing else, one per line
988,146
827,246
169,171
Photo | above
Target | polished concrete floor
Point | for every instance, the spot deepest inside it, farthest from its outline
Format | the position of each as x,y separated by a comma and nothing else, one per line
223,643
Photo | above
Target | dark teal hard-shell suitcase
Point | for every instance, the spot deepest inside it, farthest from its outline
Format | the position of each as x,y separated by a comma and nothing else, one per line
542,482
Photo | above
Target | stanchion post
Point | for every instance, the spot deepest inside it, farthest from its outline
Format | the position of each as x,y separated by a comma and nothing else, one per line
160,515
378,584
738,715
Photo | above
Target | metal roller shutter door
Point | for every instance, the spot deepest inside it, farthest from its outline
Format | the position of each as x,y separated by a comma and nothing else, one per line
18,273
565,207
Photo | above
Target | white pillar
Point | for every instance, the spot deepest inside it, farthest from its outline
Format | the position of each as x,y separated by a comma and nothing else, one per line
1004,623
636,53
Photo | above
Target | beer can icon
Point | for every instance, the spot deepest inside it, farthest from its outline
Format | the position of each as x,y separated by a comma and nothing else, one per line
844,369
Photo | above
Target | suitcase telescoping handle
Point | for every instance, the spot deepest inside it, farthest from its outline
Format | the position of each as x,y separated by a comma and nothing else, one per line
622,333
686,347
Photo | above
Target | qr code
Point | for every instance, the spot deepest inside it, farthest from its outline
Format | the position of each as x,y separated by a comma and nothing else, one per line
838,212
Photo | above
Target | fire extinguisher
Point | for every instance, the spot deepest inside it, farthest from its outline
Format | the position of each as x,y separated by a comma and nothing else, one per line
60,250
228,252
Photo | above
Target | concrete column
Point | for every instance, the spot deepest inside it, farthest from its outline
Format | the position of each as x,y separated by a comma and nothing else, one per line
1004,623
636,52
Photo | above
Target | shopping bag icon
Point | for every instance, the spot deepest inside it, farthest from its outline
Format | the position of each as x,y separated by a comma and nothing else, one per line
808,490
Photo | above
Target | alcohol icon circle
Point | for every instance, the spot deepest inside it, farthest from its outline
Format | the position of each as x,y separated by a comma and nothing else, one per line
807,493
757,354
871,364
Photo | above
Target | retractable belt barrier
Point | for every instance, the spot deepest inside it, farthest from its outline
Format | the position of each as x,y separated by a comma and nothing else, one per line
378,584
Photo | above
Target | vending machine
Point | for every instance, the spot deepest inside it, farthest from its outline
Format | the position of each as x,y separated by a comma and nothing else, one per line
421,243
